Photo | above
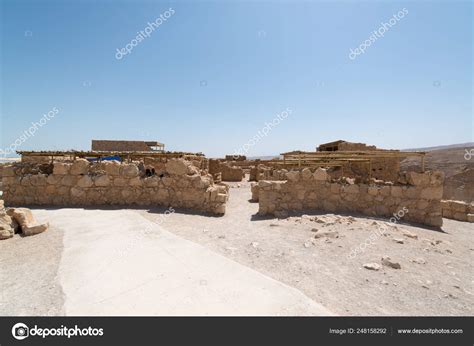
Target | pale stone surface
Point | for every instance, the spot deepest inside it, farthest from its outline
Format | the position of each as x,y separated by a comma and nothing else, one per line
129,265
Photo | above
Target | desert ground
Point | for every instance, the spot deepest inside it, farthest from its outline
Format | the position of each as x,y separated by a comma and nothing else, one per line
157,262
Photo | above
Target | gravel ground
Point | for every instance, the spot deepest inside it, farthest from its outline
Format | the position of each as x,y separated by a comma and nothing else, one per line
436,275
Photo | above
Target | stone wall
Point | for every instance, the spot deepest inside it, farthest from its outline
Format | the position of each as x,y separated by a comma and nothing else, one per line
458,210
305,190
228,172
386,169
176,183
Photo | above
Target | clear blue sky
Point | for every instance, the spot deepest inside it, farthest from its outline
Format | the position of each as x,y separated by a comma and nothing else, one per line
213,73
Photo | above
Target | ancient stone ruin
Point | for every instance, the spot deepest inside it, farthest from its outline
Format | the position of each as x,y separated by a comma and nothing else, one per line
418,195
458,210
177,183
225,170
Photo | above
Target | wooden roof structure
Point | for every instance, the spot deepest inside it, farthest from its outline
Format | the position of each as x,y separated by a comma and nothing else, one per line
321,158
124,145
123,155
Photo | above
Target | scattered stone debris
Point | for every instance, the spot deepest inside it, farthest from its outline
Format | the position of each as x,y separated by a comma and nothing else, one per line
386,261
19,220
383,282
398,240
372,266
410,234
326,234
314,229
419,260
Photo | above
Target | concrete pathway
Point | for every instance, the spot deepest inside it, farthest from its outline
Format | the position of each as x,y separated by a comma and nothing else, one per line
116,262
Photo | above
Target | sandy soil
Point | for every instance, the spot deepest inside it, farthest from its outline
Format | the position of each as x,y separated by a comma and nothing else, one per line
436,275
29,282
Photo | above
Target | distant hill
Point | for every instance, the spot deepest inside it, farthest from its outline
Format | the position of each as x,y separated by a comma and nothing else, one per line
263,157
440,147
456,165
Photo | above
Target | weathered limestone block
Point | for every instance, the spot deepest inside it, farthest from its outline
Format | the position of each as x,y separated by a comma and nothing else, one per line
54,179
69,180
135,182
167,181
432,193
151,181
397,191
373,190
118,181
254,189
25,219
102,181
321,174
79,166
306,174
176,167
352,189
76,192
38,180
26,180
213,191
221,198
229,173
415,178
457,210
192,170
7,228
112,168
130,170
458,206
85,181
265,184
293,175
61,168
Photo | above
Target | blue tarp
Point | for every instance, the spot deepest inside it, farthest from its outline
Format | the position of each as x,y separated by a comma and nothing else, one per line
107,158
